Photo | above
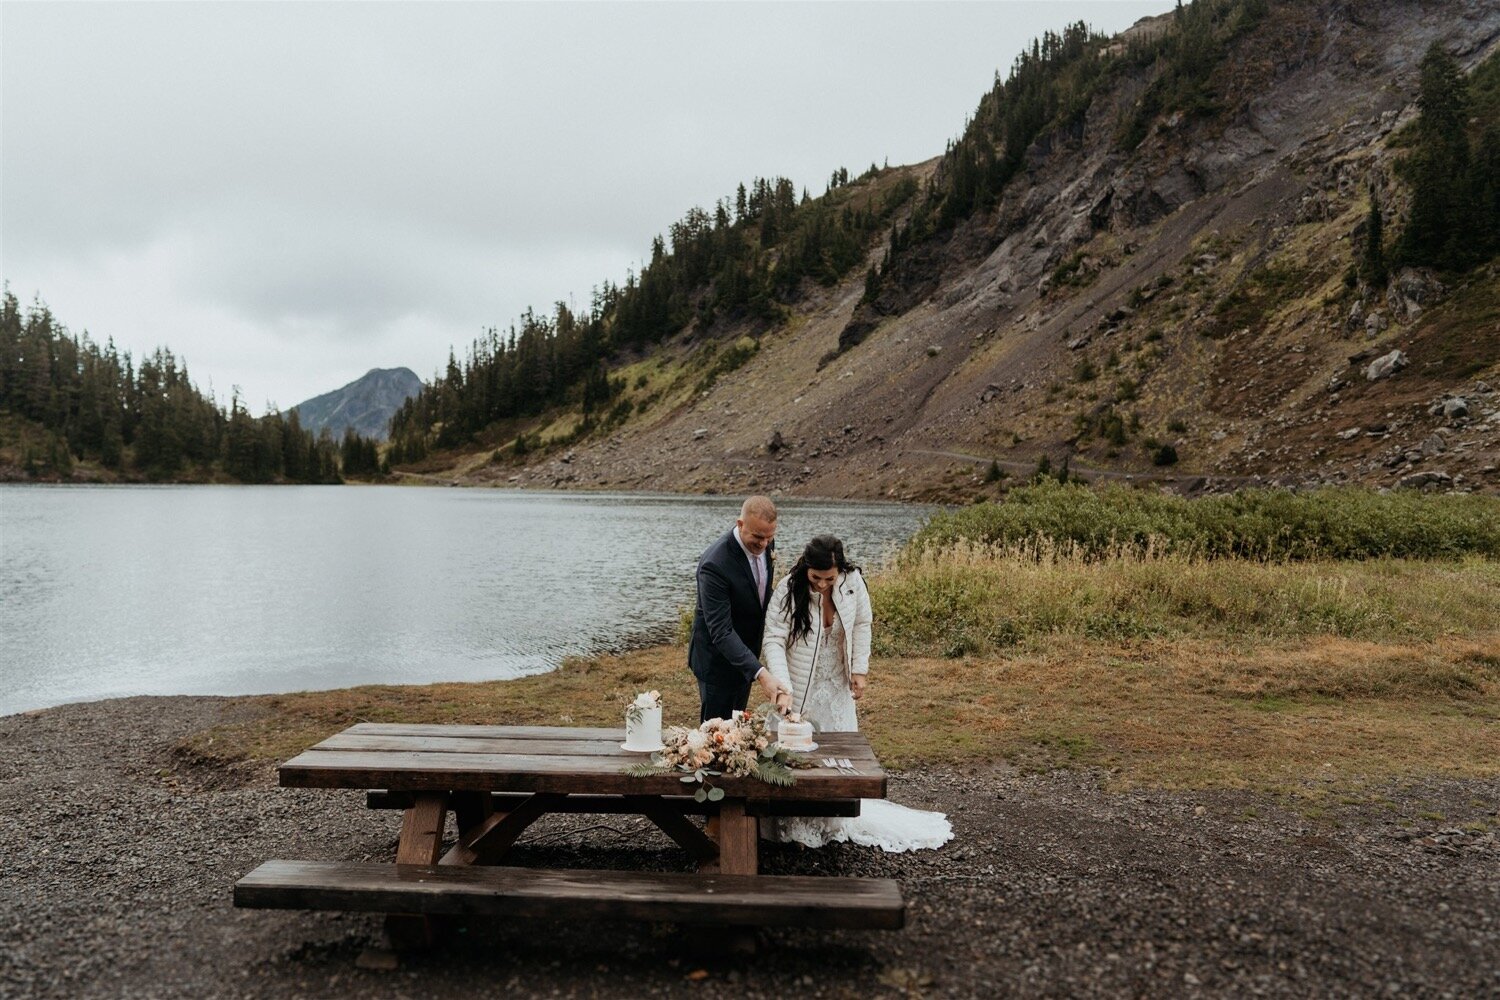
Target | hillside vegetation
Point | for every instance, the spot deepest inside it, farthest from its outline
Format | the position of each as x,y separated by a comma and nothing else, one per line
1173,255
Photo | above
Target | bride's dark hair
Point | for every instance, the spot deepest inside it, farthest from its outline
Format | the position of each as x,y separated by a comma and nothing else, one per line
822,553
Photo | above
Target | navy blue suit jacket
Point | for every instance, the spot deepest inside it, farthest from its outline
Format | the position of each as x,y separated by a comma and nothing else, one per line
729,617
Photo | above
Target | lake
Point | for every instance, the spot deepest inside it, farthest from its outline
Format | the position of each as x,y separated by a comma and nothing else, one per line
109,591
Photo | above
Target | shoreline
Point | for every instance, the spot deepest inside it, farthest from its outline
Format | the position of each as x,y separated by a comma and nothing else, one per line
1056,883
558,491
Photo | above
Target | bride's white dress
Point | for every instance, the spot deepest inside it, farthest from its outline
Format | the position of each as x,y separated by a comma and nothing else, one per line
827,703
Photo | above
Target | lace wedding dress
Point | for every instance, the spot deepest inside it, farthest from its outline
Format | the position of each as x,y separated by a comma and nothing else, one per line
826,702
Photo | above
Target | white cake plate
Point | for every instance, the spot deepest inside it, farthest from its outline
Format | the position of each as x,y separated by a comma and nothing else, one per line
807,749
627,746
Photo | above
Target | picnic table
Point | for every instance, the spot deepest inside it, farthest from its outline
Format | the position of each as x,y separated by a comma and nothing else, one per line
498,780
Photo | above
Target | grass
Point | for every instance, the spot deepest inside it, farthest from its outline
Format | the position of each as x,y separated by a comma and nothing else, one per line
1164,670
1125,631
1342,523
976,600
1193,713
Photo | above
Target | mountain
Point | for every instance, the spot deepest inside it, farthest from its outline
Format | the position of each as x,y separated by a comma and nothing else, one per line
365,405
1147,257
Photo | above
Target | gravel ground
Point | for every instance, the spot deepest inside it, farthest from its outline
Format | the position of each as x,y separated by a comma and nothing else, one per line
118,861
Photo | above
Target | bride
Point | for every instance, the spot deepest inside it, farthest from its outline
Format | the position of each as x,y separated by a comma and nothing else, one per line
817,644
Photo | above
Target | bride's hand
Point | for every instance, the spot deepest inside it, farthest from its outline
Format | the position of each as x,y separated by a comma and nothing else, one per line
857,686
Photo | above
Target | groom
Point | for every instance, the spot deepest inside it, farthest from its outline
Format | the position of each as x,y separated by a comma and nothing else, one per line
734,584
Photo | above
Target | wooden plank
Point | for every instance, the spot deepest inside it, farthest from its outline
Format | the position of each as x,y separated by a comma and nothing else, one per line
491,839
614,805
739,839
464,744
523,893
503,732
849,744
525,773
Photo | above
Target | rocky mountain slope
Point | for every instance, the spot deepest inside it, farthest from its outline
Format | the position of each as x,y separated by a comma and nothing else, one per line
1182,310
364,405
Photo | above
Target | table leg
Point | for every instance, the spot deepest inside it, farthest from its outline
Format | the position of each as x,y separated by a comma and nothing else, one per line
670,820
471,809
487,842
420,844
739,839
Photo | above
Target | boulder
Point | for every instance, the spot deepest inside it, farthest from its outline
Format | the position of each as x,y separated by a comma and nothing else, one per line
1455,408
1410,291
1424,481
1385,365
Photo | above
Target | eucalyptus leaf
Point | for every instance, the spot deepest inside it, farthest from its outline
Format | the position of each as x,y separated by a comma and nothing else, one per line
715,794
700,795
688,779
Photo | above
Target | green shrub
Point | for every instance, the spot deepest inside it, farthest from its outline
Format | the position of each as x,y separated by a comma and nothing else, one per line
1264,524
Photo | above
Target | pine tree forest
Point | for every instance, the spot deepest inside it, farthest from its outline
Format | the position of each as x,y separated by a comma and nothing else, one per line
65,399
746,260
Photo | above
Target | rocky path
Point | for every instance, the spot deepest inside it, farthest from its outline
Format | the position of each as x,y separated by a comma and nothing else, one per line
116,862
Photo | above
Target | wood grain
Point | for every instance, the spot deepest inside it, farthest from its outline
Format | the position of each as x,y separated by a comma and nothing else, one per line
739,839
436,770
779,900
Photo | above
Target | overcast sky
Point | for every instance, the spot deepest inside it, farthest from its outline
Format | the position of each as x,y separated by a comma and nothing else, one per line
288,195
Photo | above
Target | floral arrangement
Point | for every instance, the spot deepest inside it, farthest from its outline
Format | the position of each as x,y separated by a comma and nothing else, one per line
741,747
643,701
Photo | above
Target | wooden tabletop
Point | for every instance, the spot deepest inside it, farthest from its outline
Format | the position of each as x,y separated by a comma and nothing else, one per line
558,759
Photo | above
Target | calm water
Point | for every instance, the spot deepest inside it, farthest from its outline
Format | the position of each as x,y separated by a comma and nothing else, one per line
108,591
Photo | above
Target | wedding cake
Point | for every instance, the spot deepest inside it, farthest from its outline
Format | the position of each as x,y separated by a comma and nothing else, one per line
643,723
794,734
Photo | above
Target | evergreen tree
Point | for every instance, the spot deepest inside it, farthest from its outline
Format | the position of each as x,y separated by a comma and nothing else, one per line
1441,228
93,403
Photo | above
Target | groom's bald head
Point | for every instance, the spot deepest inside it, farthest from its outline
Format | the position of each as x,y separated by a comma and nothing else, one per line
757,524
760,507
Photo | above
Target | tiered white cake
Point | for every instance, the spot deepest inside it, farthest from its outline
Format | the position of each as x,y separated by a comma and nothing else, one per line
643,728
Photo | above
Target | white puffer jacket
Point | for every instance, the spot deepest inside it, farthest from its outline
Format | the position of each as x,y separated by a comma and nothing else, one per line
792,664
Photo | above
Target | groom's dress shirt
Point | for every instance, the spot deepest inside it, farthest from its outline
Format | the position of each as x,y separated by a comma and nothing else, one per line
757,564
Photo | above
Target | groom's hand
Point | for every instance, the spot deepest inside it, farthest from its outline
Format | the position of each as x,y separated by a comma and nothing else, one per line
857,686
772,687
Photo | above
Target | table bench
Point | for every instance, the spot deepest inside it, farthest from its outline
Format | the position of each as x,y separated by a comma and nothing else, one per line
435,890
498,780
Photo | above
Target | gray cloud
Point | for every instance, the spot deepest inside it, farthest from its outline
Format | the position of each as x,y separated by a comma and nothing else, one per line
289,194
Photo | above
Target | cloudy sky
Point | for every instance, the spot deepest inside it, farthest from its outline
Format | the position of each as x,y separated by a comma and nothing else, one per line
288,195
